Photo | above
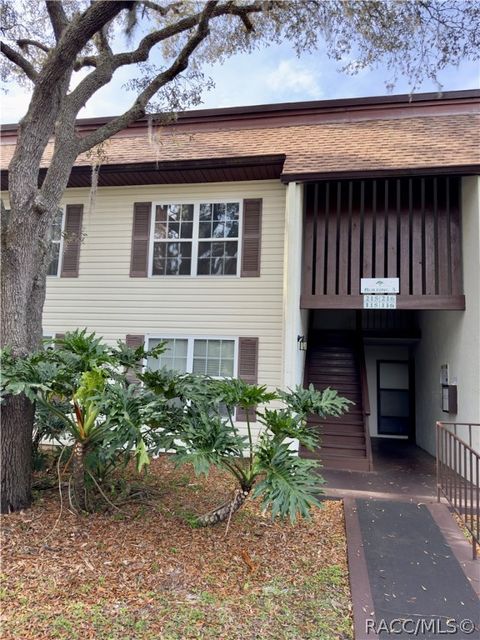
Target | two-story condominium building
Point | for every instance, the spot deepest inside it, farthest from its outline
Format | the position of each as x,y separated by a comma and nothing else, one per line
333,243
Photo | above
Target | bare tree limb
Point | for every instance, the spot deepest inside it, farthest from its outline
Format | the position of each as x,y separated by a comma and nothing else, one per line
163,11
247,22
140,54
107,66
102,76
137,110
19,60
102,43
48,101
57,16
25,42
85,61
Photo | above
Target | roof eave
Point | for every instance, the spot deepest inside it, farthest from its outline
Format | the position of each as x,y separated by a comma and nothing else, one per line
357,174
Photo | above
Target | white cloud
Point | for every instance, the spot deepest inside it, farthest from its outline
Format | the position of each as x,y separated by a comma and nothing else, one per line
291,76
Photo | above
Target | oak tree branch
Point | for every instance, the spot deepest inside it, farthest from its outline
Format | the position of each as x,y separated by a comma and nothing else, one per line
19,61
137,110
57,16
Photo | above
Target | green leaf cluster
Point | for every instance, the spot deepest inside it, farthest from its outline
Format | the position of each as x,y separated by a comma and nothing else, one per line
81,390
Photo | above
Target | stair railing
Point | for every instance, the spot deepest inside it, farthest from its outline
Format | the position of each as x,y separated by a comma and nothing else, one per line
365,399
458,475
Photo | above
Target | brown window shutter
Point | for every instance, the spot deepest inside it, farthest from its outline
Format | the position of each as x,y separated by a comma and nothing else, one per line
247,368
252,237
133,341
140,239
58,336
72,240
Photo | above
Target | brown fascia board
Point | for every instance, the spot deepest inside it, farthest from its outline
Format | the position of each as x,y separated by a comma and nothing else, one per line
202,170
318,176
202,163
342,108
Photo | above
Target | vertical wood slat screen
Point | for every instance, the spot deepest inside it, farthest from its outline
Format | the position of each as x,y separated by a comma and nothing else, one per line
247,369
399,227
73,240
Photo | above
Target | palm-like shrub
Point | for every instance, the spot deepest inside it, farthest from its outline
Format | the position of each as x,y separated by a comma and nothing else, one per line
80,387
82,392
205,433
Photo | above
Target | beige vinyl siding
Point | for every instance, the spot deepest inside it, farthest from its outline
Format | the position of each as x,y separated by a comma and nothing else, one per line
105,299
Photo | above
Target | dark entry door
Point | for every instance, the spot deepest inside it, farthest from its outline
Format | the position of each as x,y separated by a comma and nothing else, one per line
394,400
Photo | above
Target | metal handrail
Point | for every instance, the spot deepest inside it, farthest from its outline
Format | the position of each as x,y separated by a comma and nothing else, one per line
458,475
365,402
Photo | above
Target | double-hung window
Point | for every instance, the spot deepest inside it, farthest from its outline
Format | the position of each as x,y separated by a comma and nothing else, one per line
215,357
172,240
56,243
199,238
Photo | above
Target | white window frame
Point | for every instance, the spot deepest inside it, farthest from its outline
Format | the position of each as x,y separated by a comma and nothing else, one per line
196,202
60,247
48,335
190,347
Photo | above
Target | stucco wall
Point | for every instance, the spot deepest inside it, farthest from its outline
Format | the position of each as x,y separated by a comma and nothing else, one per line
453,338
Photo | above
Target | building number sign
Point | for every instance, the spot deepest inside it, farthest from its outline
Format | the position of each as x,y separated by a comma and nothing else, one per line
379,293
379,301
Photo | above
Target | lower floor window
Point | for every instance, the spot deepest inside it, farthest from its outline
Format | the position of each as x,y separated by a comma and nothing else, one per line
175,356
208,356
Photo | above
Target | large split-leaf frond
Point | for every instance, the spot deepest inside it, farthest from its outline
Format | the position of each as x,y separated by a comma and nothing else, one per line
290,486
305,401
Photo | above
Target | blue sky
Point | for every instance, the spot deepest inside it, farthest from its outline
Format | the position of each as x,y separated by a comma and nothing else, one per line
274,74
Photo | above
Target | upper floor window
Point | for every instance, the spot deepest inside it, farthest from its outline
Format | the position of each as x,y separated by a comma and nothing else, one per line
196,239
56,240
218,239
199,238
172,240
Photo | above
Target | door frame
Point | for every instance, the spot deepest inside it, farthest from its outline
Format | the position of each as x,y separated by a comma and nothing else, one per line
411,396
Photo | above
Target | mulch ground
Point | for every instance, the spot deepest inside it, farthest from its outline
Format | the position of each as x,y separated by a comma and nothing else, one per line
145,573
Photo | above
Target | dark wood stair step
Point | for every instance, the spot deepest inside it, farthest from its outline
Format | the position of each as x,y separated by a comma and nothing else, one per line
350,441
343,359
353,463
330,373
355,429
335,423
342,449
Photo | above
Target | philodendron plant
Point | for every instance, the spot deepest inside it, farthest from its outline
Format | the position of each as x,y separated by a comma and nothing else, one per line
267,465
82,383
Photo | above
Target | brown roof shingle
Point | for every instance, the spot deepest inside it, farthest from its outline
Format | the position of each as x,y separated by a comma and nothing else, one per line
328,147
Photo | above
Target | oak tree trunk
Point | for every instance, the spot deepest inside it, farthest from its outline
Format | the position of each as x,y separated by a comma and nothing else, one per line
23,293
16,454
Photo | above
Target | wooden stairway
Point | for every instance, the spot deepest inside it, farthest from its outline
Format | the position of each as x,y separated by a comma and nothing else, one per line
335,359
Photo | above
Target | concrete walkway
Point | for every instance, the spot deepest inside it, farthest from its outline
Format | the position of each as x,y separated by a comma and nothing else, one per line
411,567
411,571
401,471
